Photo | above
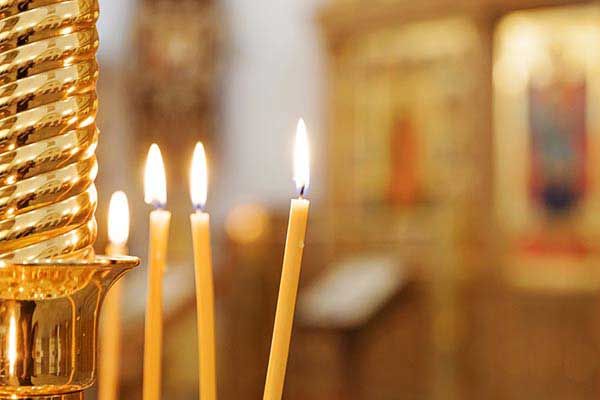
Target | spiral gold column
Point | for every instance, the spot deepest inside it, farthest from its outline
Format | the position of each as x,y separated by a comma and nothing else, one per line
51,283
48,133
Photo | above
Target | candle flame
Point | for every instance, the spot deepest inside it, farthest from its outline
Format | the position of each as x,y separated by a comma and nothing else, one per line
199,177
118,219
155,181
301,158
12,345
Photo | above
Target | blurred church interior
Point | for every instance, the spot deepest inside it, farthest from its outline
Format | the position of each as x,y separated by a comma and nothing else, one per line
456,156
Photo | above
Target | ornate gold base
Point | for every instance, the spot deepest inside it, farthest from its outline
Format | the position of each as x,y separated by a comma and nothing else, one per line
71,396
48,325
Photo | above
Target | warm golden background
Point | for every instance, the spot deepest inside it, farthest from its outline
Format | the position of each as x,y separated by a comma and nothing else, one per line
452,248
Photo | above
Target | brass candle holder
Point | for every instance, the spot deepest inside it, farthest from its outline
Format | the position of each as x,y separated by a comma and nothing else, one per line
48,325
51,283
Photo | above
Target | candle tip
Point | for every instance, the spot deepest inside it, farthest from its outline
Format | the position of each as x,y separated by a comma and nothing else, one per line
199,178
301,158
118,218
155,181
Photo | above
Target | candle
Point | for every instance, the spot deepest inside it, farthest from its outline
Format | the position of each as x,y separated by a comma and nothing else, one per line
118,233
156,194
290,274
200,221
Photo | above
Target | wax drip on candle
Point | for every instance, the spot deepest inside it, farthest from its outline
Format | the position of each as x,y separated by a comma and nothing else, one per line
48,79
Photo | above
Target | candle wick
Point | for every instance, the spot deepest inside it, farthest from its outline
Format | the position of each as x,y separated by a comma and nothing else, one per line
302,189
158,205
199,207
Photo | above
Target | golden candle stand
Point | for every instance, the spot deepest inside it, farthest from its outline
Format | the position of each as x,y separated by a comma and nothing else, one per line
49,322
49,309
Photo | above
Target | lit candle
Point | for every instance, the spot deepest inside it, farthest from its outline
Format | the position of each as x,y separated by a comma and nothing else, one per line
118,234
156,194
118,224
200,221
290,274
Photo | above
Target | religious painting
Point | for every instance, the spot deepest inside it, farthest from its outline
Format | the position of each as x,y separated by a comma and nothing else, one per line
402,114
558,140
545,83
404,185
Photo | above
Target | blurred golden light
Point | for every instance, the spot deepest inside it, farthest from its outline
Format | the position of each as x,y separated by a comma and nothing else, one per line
118,218
199,177
301,158
155,180
247,223
12,345
87,122
68,61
